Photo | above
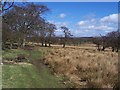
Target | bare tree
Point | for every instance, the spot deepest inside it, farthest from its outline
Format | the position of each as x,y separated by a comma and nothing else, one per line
5,5
111,39
114,40
104,42
50,32
24,19
67,34
97,41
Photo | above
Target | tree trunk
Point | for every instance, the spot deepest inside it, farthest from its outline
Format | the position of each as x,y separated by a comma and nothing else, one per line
42,43
64,41
19,43
10,45
23,44
117,49
23,41
63,45
98,47
50,40
113,49
103,49
49,44
45,43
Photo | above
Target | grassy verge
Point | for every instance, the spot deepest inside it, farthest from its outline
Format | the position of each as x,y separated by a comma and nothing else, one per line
26,75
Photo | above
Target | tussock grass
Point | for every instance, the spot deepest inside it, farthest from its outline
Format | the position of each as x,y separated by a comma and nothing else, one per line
84,67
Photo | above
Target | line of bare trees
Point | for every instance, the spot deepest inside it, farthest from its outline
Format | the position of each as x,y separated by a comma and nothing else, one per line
25,23
22,22
111,39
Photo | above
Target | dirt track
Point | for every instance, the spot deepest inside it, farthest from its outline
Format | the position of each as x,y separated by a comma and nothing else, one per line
84,66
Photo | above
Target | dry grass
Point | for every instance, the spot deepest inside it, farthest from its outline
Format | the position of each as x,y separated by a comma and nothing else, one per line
84,66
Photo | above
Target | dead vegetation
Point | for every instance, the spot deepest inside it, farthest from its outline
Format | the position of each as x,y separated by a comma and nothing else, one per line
84,67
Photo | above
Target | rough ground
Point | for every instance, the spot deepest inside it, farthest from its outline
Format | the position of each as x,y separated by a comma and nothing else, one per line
83,66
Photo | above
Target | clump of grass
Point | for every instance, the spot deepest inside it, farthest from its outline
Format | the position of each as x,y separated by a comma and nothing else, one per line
95,68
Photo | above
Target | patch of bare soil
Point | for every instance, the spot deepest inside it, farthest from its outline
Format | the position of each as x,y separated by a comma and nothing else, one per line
84,67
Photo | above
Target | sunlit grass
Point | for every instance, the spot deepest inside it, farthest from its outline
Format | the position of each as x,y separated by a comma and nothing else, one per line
27,74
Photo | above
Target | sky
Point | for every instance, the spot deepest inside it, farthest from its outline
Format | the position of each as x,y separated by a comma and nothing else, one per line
84,19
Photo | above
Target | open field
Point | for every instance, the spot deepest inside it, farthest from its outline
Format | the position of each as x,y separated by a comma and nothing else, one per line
59,45
53,67
27,74
83,66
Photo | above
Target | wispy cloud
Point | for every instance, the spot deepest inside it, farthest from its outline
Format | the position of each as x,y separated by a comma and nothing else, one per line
82,23
62,15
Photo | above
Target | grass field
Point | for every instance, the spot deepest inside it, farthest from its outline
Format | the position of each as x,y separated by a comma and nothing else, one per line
27,74
84,66
57,67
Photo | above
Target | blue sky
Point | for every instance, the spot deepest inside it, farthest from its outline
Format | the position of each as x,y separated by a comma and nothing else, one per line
83,18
